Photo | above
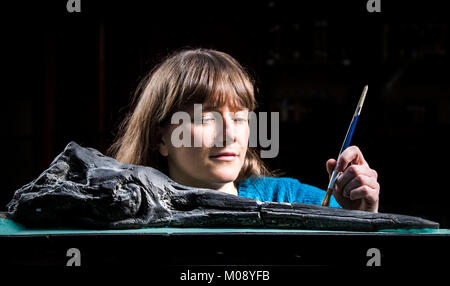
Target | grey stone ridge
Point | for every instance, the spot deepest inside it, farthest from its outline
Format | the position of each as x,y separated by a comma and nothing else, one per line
84,188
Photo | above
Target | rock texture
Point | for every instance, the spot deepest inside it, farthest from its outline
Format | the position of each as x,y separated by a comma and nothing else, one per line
84,188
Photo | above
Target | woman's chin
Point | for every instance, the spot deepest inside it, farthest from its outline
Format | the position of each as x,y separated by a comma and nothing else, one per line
224,178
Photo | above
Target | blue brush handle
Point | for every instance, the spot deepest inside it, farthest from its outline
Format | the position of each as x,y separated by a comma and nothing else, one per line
348,137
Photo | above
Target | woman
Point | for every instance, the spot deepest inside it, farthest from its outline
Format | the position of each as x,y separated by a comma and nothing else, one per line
218,82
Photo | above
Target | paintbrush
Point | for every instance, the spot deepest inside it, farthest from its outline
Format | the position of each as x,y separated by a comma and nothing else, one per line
347,140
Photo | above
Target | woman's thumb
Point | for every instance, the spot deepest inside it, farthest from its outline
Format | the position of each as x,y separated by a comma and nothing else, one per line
331,164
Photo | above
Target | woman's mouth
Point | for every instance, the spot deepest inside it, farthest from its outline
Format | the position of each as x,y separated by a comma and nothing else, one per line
224,157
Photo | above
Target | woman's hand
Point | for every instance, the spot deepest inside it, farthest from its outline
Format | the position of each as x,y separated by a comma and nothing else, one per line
356,187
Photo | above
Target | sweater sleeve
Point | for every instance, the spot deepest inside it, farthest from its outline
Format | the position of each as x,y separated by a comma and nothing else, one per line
283,190
307,194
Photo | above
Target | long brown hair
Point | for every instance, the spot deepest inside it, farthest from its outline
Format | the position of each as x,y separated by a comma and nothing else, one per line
186,76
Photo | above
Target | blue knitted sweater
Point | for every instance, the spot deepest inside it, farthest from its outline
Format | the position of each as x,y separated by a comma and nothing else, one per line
282,190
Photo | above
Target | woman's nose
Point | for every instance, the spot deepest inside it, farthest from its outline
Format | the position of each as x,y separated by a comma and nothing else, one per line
228,134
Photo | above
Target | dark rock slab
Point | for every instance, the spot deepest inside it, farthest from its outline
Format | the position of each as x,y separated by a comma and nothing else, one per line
84,188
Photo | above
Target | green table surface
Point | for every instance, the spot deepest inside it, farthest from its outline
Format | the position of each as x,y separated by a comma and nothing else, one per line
11,228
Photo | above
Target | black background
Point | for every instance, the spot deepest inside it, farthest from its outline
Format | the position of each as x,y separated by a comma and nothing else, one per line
70,77
287,257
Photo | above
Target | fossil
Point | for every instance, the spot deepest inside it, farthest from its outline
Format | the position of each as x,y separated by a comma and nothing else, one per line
84,188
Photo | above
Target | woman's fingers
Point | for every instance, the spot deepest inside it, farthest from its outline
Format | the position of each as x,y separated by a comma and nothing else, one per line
364,192
355,171
357,182
350,155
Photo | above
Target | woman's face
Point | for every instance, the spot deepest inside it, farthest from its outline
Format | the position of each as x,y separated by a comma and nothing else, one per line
201,166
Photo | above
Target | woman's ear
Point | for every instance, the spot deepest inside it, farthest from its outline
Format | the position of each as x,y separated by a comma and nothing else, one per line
163,147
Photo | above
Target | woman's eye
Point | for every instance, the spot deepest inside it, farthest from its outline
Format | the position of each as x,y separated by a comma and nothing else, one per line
204,120
240,120
207,119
